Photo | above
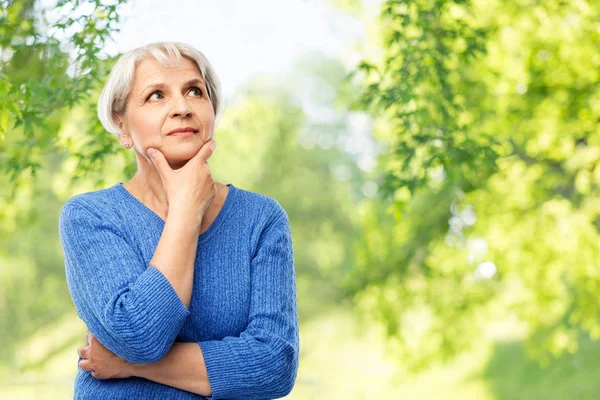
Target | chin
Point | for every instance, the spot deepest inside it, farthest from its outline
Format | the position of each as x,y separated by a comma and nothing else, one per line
179,158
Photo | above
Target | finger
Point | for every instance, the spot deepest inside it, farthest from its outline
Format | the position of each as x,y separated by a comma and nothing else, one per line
85,365
160,162
88,337
206,151
93,340
98,375
83,351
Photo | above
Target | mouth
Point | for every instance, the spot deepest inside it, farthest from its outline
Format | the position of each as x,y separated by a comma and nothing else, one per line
183,132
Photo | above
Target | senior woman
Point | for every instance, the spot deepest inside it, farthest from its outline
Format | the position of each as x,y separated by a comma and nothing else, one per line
186,285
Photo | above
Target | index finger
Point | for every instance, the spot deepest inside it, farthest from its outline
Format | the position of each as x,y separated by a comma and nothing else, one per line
206,151
83,351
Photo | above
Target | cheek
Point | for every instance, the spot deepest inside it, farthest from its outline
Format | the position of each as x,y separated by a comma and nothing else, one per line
207,118
145,127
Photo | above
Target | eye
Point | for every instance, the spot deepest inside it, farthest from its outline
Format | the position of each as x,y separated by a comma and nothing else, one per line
158,96
196,90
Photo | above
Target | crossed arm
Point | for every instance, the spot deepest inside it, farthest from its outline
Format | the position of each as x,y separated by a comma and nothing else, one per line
135,314
182,367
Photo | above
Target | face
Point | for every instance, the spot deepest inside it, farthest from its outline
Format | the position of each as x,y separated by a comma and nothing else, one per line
164,98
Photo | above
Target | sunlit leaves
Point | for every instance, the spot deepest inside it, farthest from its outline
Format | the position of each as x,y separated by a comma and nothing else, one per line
501,100
46,67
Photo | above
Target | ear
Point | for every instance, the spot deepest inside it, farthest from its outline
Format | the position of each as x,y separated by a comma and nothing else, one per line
122,135
118,120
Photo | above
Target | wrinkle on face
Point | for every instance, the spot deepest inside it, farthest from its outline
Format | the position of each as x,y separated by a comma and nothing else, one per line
148,119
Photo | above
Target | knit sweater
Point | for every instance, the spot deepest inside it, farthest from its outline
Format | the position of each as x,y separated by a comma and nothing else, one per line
242,313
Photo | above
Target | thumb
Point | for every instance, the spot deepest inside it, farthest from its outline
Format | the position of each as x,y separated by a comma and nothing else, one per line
159,161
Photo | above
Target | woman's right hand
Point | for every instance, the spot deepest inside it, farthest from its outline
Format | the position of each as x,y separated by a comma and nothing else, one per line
191,187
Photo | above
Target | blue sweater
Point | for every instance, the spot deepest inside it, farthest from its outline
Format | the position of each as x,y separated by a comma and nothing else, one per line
242,313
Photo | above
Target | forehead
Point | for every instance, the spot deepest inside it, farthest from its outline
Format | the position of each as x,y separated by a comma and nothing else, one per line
153,71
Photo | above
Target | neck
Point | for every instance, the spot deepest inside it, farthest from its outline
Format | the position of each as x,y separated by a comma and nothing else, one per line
147,184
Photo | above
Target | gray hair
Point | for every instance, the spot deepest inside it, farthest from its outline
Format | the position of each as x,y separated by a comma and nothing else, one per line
116,91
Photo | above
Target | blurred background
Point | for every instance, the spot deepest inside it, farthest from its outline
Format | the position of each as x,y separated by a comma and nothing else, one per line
439,162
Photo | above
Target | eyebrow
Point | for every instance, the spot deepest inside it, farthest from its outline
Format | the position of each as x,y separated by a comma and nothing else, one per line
156,86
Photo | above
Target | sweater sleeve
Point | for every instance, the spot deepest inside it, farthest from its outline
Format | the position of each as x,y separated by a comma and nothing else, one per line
130,307
262,363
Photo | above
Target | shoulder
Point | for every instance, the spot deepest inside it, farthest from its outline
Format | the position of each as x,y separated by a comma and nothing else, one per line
268,222
265,209
88,207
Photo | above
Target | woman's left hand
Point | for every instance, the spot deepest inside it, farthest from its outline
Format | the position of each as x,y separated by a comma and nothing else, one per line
103,363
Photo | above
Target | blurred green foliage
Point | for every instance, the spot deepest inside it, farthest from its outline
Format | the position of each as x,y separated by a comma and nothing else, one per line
512,374
41,79
259,150
48,65
490,114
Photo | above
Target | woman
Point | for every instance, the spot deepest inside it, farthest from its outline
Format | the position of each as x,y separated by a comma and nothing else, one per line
186,285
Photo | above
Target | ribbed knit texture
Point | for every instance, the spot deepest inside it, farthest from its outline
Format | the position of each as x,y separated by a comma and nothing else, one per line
242,313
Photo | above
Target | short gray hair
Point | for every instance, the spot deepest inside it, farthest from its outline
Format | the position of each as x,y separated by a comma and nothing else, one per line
116,91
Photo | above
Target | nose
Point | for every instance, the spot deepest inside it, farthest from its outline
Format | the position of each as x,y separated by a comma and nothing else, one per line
181,108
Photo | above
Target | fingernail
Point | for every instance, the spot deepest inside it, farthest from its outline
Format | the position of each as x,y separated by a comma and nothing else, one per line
151,152
214,145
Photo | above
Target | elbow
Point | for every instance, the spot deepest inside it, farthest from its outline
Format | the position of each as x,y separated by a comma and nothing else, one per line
285,386
283,371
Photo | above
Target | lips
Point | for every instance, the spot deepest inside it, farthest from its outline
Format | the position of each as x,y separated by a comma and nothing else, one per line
186,130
